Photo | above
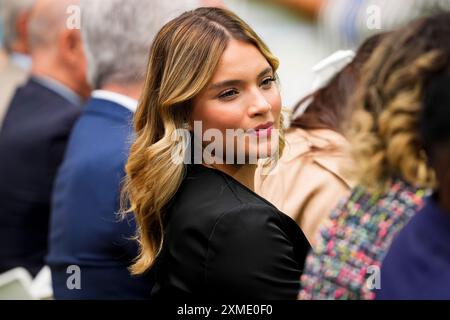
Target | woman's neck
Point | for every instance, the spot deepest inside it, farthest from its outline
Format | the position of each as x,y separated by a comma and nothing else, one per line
245,174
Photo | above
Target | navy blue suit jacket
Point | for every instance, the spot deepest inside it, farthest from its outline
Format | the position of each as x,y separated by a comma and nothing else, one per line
85,229
32,143
417,266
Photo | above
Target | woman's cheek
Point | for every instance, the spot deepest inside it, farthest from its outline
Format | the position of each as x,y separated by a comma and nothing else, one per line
231,116
277,97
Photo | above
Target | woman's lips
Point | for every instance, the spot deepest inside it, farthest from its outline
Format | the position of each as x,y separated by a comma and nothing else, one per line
264,130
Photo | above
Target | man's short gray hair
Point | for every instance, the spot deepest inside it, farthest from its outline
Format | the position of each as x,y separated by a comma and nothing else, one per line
9,12
117,35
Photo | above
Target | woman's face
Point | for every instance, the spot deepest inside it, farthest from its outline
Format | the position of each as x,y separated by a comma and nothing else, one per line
242,94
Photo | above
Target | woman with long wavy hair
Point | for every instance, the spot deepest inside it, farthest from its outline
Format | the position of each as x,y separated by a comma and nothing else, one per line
391,165
200,225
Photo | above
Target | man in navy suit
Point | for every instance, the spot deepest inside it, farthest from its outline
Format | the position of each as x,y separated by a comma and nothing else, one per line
90,247
34,135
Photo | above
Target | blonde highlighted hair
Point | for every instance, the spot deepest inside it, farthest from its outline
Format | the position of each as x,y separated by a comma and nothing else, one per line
183,58
385,125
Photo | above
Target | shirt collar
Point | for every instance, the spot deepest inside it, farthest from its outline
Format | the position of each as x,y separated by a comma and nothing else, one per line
60,89
125,101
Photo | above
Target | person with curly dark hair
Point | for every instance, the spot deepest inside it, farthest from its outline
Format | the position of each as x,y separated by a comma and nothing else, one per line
418,264
391,166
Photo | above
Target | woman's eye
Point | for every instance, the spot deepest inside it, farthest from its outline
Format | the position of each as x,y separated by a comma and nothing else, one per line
228,94
267,82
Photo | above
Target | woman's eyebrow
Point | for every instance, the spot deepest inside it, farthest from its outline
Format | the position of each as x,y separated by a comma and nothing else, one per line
227,83
265,71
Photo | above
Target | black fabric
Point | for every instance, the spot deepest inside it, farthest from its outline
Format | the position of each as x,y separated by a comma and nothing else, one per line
222,240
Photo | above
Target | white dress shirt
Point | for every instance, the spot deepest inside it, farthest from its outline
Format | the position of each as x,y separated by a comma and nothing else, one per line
126,102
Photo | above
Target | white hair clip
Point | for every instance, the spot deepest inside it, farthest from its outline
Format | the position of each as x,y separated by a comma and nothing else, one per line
326,69
330,66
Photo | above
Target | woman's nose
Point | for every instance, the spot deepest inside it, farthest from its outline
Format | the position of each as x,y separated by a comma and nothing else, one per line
258,104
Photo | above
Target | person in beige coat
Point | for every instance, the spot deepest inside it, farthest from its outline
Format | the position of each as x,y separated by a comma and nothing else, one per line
314,172
310,178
